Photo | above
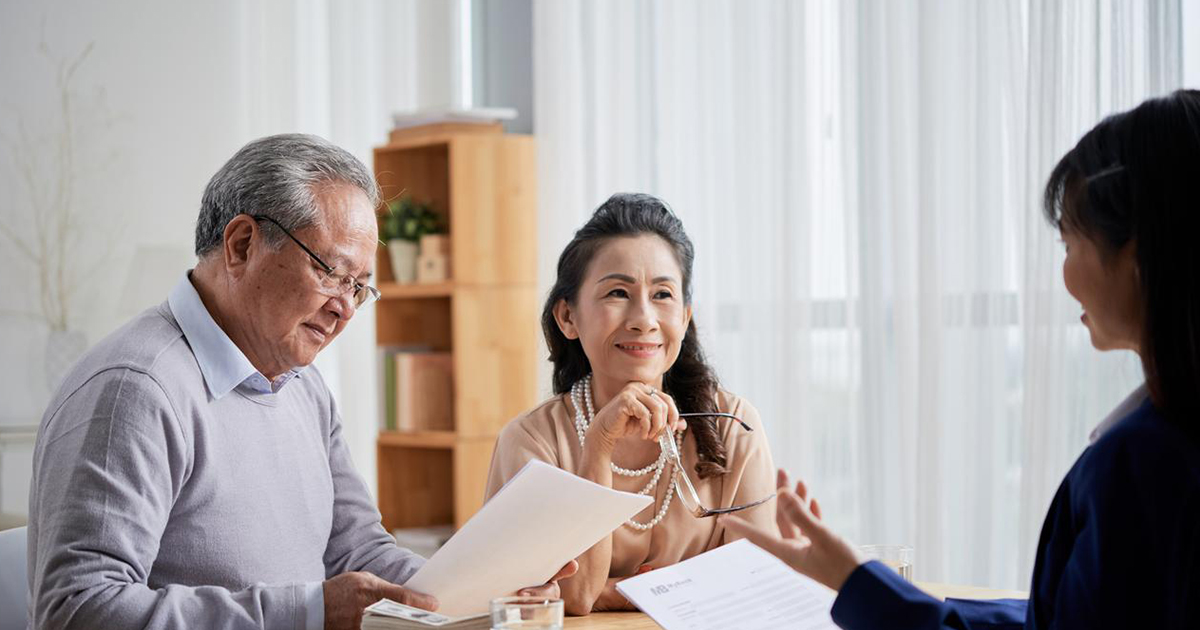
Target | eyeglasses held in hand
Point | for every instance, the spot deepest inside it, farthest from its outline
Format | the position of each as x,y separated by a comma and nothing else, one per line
686,491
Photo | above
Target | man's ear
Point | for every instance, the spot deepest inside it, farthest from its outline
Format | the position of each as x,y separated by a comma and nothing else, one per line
240,237
564,317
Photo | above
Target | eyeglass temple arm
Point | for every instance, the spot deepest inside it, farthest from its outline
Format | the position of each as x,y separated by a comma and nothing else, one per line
736,508
263,217
716,414
700,510
673,451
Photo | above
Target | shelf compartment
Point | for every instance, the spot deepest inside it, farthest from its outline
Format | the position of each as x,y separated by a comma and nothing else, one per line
422,322
416,486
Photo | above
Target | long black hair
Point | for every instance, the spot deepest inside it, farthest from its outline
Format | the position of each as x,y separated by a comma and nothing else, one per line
691,381
1135,177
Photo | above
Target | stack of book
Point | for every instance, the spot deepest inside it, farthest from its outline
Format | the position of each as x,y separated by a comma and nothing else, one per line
418,390
442,116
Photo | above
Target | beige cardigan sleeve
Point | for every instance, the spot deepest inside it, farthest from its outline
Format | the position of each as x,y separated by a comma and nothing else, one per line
525,438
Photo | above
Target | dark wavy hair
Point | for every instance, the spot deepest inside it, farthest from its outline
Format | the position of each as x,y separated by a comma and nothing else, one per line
691,381
1136,177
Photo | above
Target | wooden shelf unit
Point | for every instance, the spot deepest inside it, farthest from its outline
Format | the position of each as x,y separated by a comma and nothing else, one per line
486,315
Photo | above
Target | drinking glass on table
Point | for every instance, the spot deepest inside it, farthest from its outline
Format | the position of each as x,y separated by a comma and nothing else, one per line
527,613
898,557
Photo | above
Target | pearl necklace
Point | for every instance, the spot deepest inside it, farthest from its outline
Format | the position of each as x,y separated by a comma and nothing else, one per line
581,397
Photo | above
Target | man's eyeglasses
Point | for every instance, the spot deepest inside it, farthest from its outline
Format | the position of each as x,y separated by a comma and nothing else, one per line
332,283
687,493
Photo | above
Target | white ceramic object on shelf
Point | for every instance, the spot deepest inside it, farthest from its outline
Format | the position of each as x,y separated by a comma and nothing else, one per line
404,260
434,244
433,264
433,268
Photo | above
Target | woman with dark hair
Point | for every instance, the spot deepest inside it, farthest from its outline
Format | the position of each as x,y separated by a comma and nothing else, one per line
1120,547
637,408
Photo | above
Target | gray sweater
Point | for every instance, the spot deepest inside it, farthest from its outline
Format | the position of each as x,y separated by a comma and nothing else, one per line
155,505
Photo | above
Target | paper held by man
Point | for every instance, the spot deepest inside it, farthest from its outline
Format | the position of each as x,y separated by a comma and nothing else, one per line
540,520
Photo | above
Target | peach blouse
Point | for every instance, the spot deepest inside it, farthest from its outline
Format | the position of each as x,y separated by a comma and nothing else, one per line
547,432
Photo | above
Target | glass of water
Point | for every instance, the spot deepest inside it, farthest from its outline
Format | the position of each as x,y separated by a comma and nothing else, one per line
898,557
527,613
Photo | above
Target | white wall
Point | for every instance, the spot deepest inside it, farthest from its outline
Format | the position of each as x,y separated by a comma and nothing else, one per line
169,91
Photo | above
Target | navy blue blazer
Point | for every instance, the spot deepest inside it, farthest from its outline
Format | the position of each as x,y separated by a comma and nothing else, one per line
1120,548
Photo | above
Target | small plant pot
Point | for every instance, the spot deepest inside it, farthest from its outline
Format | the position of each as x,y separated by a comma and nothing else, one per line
404,260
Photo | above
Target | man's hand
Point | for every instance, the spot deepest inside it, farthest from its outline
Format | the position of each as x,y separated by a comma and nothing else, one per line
550,590
347,595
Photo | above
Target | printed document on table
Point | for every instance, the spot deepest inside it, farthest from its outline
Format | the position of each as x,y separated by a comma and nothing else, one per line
543,518
734,587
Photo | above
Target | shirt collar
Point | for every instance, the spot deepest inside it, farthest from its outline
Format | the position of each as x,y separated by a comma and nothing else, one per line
222,363
1127,406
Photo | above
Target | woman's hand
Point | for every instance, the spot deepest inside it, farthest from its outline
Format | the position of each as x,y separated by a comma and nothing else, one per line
611,600
550,589
638,410
803,541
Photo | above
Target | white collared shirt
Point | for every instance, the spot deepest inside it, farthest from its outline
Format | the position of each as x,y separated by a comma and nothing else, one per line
1131,402
222,363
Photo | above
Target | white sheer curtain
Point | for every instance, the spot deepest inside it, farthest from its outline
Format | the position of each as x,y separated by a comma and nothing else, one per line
861,182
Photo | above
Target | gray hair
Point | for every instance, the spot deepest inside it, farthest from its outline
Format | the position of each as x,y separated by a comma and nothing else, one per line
279,176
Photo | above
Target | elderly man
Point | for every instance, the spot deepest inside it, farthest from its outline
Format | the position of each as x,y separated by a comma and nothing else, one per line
191,471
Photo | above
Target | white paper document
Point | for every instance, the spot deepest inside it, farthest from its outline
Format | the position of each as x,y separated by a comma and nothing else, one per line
734,587
540,520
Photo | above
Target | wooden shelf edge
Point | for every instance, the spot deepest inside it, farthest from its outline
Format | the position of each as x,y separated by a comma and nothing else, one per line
418,439
396,291
435,134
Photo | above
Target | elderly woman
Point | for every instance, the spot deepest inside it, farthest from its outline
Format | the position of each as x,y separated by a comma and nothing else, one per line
629,370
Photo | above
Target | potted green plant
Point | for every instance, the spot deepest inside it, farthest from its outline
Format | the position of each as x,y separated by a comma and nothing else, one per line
403,226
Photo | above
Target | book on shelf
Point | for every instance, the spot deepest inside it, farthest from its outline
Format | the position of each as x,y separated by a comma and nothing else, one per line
424,391
477,115
417,387
386,386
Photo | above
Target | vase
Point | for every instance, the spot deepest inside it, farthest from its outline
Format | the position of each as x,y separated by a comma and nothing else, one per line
63,347
404,260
